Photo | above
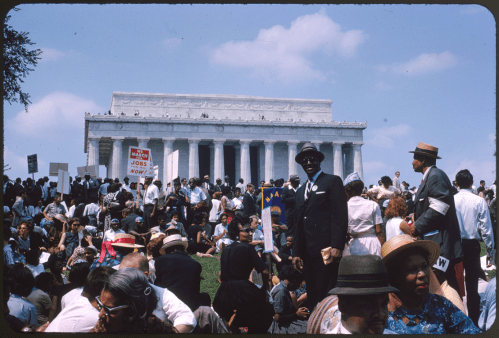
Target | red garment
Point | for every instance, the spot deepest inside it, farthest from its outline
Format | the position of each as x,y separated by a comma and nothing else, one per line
459,268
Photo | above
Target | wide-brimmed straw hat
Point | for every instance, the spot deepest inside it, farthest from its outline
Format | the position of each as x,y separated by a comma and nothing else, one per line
309,149
394,248
172,240
361,276
426,150
125,241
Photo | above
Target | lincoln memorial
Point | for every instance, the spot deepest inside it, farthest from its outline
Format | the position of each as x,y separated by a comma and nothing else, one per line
249,137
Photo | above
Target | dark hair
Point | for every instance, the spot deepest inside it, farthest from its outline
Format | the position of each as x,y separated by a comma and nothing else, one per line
21,280
198,218
154,245
237,189
79,273
356,187
251,185
175,213
32,257
7,233
96,279
385,180
75,219
464,179
429,161
161,217
225,190
396,208
52,260
223,214
233,226
43,279
289,273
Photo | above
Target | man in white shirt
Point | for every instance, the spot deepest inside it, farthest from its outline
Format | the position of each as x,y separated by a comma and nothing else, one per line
169,307
196,195
91,210
126,186
396,182
151,197
474,223
82,314
111,233
240,185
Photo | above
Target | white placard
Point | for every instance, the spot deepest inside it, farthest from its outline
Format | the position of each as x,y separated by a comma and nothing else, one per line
267,230
172,159
63,182
92,169
54,167
139,161
44,257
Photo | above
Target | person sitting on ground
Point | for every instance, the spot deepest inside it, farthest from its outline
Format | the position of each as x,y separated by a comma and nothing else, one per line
408,263
128,220
113,252
175,221
8,253
287,319
169,307
40,298
21,282
141,232
488,315
198,241
110,234
56,266
285,253
33,262
364,220
395,214
220,236
126,305
82,314
56,212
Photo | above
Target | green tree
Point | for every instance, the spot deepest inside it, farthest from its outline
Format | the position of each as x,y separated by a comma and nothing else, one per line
17,60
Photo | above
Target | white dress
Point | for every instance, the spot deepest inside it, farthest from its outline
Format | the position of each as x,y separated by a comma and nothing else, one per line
363,215
219,229
393,227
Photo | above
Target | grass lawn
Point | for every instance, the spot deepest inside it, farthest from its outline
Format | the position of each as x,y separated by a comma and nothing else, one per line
483,252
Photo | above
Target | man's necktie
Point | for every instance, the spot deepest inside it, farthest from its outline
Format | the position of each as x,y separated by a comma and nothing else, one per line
307,189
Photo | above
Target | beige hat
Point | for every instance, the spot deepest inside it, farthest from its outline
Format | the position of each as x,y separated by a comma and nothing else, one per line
426,150
173,240
126,241
396,245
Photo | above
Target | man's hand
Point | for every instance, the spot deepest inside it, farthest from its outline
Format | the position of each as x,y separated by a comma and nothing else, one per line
297,263
334,256
303,312
152,214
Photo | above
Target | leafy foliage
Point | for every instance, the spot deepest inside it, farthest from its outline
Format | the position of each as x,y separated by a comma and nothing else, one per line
17,60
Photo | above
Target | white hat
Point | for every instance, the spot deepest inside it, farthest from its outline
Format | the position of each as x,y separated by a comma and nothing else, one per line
173,240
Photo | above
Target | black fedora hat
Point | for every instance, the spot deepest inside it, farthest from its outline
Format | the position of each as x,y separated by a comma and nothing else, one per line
362,275
309,149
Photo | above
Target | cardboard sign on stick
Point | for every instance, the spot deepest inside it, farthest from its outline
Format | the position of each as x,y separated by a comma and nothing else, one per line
139,161
54,168
267,230
92,169
63,182
32,164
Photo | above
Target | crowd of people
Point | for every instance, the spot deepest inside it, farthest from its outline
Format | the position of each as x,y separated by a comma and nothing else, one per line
116,257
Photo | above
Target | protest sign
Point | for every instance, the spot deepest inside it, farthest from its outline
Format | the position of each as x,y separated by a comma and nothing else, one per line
272,199
63,182
267,230
139,161
172,173
54,168
92,169
32,164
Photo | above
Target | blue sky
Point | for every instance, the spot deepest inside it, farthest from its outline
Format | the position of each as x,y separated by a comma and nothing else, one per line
415,73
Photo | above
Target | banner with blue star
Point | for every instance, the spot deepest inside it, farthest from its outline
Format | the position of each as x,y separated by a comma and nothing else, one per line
272,199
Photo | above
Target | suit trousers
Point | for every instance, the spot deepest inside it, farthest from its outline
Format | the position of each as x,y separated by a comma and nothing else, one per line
320,279
149,221
471,250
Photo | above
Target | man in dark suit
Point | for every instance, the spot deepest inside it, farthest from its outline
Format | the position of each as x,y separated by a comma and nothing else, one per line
288,199
249,207
9,196
90,188
435,215
321,222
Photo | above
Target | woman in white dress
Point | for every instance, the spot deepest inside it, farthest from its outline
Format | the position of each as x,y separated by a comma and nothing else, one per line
364,220
220,236
395,214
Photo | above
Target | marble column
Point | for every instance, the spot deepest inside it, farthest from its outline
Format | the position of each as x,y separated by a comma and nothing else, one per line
348,161
218,167
212,164
117,156
167,165
269,160
357,159
245,161
143,141
292,165
237,156
338,158
93,153
193,157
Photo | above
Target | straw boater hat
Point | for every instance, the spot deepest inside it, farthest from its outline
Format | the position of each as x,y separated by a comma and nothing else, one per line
172,240
396,245
309,149
125,241
361,276
426,150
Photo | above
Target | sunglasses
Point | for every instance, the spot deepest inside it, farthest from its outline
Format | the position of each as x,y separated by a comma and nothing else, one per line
247,230
107,310
309,159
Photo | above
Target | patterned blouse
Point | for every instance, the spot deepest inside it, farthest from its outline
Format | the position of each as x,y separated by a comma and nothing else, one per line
437,316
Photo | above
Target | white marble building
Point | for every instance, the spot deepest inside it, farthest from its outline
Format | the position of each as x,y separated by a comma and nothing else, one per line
254,138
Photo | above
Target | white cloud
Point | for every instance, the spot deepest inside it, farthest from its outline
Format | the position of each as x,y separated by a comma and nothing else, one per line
49,54
56,115
282,53
424,63
481,170
172,42
388,136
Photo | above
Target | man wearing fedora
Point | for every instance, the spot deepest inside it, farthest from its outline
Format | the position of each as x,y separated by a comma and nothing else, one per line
288,199
321,223
362,291
435,216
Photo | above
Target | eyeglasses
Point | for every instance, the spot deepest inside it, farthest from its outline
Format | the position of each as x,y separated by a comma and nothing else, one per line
108,310
309,159
247,230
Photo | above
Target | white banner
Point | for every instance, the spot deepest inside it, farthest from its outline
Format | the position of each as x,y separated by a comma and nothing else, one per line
172,159
139,162
267,230
63,182
92,169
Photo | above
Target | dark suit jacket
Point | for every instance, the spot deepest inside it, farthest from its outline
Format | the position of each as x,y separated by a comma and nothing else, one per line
288,199
249,205
92,191
322,220
211,188
437,186
128,223
10,195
